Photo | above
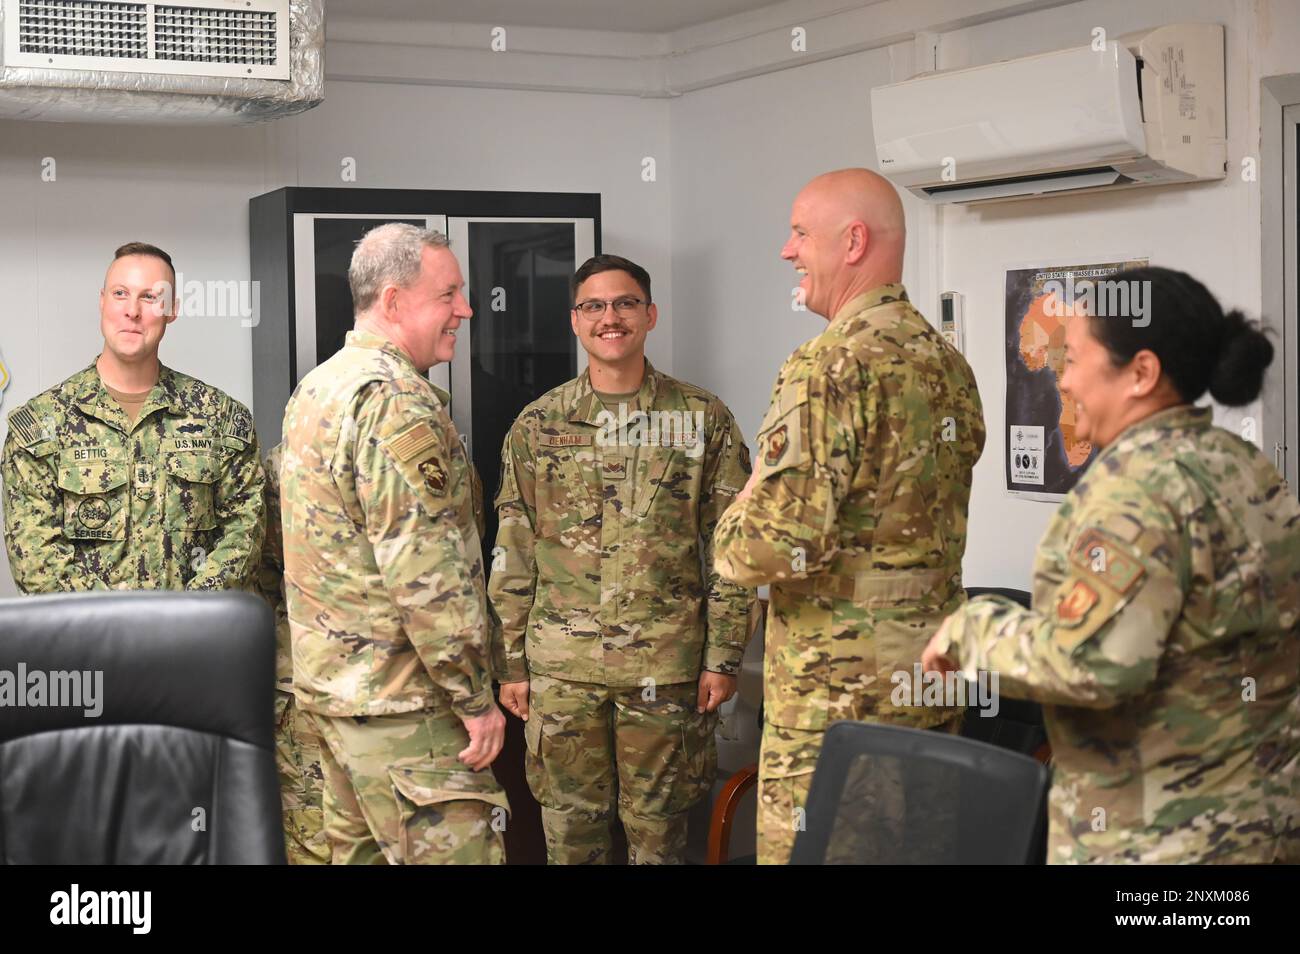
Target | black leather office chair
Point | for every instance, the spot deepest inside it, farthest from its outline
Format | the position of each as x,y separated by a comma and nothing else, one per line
152,743
1018,724
888,795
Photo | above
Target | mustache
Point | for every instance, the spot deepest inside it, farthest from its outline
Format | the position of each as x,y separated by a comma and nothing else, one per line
602,331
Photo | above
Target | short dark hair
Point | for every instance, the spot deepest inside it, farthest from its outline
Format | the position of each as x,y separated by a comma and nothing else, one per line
609,263
1199,346
144,248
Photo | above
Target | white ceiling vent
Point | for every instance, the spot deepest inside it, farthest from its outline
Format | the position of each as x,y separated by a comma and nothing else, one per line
244,38
211,61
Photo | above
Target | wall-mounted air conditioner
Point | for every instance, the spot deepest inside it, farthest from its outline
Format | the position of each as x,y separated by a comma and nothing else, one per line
1147,109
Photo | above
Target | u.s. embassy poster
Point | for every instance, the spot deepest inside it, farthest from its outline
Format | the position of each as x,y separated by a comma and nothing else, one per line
1045,455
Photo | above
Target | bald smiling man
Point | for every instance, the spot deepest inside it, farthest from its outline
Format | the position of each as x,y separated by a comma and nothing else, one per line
856,509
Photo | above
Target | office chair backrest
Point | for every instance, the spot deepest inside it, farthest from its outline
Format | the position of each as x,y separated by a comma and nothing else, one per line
135,728
1019,722
888,795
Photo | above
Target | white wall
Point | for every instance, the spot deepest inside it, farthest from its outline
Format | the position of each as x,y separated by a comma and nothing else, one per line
422,137
1210,230
736,179
740,153
187,190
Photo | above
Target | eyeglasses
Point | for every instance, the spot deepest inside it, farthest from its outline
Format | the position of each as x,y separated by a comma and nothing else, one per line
593,308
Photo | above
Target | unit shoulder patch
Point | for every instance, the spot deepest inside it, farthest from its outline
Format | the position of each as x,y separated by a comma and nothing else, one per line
434,474
778,442
1103,557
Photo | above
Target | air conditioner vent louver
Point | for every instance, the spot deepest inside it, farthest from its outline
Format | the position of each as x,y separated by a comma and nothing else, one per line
218,36
83,29
244,38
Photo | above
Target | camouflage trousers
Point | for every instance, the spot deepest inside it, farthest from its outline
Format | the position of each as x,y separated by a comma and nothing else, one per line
785,771
302,784
593,750
395,792
1282,850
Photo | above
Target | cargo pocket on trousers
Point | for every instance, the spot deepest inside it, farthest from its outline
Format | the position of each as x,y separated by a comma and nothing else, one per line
698,763
534,766
448,814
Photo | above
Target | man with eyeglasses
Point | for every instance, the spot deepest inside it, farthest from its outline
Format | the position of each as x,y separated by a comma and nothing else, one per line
618,642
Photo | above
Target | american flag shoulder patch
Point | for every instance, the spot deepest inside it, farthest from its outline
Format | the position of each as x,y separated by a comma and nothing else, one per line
413,441
24,424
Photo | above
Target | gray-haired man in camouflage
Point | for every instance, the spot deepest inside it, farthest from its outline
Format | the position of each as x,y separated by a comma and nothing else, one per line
383,573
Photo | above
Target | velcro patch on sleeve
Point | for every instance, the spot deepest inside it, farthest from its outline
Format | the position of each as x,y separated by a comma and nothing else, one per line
239,426
24,424
413,441
1103,557
1082,610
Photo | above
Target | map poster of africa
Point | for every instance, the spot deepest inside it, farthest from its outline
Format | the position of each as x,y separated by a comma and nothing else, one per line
1044,454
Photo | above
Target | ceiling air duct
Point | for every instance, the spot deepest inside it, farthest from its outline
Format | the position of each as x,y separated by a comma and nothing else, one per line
212,61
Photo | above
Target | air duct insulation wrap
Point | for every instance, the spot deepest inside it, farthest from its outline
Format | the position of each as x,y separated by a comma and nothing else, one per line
103,96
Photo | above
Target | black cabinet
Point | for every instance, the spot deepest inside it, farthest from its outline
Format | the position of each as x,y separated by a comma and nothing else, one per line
516,251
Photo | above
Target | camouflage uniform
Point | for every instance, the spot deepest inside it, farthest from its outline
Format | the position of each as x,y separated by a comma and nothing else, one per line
1164,644
858,520
608,610
387,616
297,745
171,502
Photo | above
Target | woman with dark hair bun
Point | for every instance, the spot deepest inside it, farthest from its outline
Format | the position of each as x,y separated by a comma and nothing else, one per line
1164,639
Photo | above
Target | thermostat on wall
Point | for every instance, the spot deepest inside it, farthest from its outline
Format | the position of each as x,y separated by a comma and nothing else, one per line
950,319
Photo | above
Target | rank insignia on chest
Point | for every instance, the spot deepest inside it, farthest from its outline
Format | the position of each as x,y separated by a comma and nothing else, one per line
614,468
778,442
1075,605
144,481
93,512
435,477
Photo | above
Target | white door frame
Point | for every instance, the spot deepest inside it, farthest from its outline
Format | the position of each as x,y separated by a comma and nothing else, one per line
1279,118
584,246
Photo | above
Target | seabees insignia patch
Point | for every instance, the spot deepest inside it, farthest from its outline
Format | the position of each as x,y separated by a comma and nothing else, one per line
93,512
